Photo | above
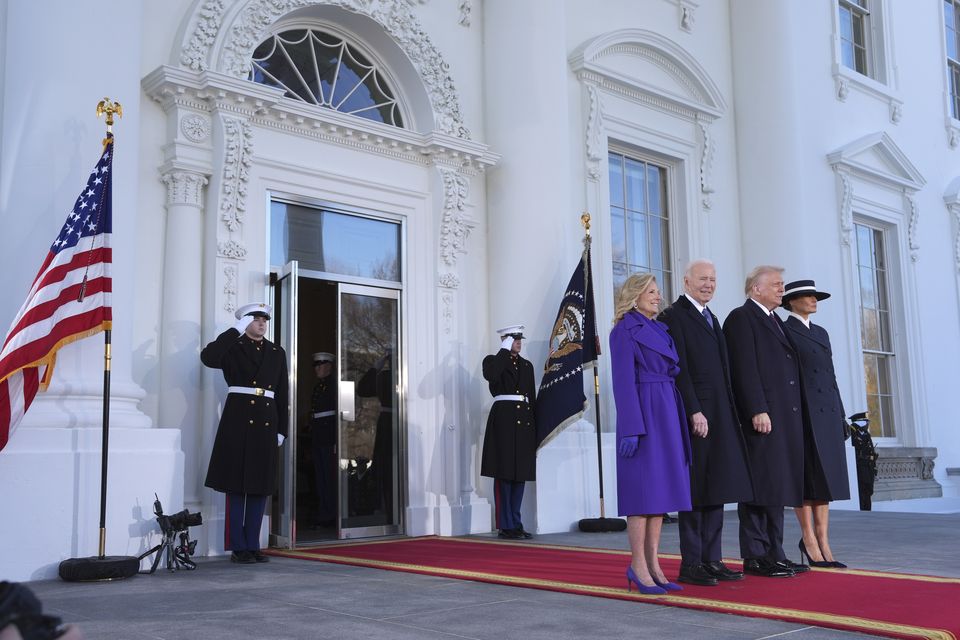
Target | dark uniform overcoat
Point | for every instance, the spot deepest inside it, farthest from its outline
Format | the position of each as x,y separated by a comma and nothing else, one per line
323,399
826,461
510,442
719,473
765,373
244,456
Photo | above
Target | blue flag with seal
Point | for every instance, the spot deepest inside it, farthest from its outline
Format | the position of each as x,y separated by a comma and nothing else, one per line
574,346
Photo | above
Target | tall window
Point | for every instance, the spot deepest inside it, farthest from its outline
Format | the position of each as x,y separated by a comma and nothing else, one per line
951,15
325,70
639,221
875,333
854,31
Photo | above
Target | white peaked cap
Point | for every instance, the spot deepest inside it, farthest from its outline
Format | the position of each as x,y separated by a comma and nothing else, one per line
513,329
254,308
323,356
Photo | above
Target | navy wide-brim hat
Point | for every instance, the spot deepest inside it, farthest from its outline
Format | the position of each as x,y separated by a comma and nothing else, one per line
799,288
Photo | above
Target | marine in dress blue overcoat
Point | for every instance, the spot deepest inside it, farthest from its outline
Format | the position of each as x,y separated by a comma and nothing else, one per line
643,359
825,473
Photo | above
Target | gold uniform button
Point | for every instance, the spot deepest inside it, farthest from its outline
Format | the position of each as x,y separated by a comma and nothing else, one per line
253,402
251,422
518,422
266,424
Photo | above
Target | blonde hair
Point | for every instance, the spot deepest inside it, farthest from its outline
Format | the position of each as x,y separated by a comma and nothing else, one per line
628,293
754,276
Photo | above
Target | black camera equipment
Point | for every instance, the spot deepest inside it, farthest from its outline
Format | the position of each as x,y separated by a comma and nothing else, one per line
173,527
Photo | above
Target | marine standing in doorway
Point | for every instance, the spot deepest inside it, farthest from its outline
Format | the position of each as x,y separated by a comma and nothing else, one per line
510,441
323,438
243,463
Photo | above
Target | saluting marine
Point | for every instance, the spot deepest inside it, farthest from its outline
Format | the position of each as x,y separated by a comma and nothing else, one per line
510,442
243,463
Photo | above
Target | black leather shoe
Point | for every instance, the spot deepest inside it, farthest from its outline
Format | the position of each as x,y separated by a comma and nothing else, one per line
242,557
521,533
793,566
720,571
696,574
766,568
509,534
259,556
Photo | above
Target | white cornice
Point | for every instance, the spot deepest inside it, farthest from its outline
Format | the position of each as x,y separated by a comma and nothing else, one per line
907,176
207,91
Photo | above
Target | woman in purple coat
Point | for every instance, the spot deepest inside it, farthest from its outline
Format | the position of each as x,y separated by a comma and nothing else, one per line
653,446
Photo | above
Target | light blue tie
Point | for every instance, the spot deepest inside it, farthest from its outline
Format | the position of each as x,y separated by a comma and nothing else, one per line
708,317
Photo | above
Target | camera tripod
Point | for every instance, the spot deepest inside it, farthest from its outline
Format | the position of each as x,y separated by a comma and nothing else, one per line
178,555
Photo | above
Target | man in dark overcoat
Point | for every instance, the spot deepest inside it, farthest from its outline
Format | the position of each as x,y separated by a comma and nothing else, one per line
765,372
323,437
243,463
719,473
510,441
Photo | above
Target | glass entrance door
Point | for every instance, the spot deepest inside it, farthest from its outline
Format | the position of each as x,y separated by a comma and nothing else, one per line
370,407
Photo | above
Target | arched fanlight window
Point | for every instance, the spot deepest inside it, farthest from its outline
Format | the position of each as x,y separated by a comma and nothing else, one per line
323,69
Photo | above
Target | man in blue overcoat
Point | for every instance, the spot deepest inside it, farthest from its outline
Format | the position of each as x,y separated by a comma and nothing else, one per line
765,371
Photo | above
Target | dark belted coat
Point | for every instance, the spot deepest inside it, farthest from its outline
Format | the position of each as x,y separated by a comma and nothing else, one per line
245,452
719,472
826,460
765,372
510,441
643,365
323,399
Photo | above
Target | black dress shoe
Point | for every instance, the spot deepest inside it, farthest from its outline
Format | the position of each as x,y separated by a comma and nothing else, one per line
259,556
521,533
242,557
509,534
720,571
696,574
766,568
793,566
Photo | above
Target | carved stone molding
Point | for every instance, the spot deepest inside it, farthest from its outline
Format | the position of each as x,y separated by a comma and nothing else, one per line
238,151
687,16
246,28
446,311
184,187
952,199
230,277
896,111
449,280
913,211
453,227
594,134
466,6
195,127
846,209
232,249
708,151
843,88
953,135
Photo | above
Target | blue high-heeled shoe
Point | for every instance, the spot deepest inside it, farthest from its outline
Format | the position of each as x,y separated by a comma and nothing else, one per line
642,588
668,586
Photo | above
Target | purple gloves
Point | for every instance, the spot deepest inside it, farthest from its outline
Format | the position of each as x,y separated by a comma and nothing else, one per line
628,446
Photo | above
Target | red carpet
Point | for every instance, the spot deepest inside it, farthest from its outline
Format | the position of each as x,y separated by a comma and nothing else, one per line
889,604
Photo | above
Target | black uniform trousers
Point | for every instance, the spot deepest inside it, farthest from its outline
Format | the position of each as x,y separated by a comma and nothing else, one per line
761,531
508,495
700,533
244,514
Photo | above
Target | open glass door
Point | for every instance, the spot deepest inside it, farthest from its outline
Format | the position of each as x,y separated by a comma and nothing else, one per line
283,520
369,430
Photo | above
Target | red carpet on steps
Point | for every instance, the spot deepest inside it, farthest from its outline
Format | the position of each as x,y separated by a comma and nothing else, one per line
889,604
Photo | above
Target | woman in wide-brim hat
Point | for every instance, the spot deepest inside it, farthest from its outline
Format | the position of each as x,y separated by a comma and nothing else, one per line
825,462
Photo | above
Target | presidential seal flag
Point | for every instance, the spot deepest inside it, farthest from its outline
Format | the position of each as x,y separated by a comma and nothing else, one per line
69,298
573,347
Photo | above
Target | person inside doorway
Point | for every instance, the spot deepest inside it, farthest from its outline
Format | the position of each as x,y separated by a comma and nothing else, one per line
323,438
378,382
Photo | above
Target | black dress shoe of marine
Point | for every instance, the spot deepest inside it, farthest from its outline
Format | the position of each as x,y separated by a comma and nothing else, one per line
696,574
259,556
766,568
720,571
510,534
796,568
521,533
242,557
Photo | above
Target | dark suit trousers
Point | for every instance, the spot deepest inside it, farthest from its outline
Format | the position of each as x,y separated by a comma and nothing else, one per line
700,531
508,495
761,531
244,513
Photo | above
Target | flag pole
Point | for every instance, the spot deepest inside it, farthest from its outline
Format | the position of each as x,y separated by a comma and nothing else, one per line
102,566
602,523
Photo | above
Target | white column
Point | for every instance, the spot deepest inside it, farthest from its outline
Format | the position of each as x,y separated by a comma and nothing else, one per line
180,397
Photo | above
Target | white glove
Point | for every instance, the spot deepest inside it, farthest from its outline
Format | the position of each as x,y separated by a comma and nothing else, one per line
280,439
507,343
242,324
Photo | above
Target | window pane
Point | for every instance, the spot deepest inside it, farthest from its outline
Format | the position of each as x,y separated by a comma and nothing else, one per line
888,426
658,228
950,22
860,60
858,31
879,259
618,243
868,297
653,189
870,374
870,330
637,243
875,415
864,245
846,25
846,54
616,179
886,339
635,180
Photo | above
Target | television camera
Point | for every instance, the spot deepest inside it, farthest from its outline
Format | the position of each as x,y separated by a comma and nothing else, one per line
174,527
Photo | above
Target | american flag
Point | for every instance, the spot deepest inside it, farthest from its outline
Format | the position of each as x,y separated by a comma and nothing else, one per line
69,298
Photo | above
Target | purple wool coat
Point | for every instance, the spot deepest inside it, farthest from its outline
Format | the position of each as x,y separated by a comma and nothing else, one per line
644,363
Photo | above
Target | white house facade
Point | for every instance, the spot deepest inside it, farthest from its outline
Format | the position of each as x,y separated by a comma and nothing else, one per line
401,177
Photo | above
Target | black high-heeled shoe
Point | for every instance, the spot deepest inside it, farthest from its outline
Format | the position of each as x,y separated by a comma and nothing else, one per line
822,564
